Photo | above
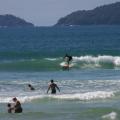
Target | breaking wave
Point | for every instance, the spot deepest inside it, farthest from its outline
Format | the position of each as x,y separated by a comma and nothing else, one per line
77,96
98,61
55,64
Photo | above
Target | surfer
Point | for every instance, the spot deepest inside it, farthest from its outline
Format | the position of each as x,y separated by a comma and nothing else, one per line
17,107
68,58
53,87
31,87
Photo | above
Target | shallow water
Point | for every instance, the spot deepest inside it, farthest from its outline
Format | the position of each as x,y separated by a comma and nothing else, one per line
82,97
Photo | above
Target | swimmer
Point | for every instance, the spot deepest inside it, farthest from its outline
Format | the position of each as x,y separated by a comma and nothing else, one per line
31,87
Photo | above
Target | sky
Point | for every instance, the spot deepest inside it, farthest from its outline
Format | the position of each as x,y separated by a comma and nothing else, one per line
47,12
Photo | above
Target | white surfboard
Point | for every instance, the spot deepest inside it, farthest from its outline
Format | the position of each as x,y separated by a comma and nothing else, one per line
64,64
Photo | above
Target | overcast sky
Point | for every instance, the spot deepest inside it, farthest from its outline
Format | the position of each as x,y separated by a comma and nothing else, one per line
47,12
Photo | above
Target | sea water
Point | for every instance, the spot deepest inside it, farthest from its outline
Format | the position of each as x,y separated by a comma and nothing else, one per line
89,90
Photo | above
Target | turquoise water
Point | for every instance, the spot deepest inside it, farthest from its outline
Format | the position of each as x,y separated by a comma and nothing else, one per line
90,90
43,48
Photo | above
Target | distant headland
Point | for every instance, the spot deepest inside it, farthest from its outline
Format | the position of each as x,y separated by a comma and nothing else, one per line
13,21
103,15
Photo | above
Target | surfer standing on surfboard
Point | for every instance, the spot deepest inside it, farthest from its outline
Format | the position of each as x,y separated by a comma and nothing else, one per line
67,59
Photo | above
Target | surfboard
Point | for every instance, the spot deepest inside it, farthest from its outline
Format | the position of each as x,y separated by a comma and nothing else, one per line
64,65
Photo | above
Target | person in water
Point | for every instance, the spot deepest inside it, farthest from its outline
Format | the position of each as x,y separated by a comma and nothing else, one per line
17,107
31,87
9,108
53,87
68,58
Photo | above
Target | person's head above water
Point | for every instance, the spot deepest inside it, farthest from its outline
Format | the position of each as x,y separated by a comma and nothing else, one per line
9,105
14,99
52,81
29,85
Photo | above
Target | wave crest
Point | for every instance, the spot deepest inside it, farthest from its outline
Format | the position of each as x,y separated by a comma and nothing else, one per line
104,61
86,96
110,116
77,96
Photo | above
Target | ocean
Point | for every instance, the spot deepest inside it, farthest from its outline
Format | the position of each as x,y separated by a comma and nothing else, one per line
89,90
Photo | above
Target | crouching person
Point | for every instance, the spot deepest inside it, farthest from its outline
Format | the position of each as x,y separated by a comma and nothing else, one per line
17,106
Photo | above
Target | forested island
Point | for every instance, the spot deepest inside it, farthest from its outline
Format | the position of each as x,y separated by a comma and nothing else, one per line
13,21
103,15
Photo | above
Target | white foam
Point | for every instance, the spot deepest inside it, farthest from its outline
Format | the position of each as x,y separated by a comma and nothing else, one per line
110,116
86,96
22,99
5,99
78,96
98,60
65,64
51,59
